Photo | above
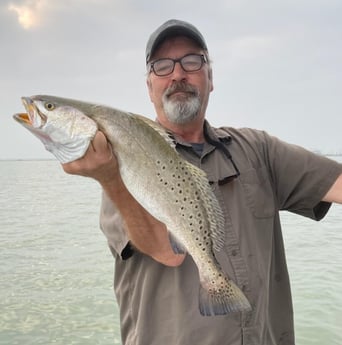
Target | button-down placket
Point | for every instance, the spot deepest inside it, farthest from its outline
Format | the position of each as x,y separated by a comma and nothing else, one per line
217,166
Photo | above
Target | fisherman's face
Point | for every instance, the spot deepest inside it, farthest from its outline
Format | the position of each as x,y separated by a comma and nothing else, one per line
180,97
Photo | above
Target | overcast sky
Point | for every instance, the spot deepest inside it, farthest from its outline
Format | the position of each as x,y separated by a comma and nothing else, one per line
277,64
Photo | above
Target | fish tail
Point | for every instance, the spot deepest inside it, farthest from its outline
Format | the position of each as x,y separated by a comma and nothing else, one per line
222,301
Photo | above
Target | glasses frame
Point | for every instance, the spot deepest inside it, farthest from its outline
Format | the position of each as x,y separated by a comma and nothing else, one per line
203,61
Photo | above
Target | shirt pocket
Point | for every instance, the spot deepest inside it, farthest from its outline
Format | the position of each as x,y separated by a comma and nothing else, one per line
258,192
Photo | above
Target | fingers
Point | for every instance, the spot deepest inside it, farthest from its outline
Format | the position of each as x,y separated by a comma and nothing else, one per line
99,143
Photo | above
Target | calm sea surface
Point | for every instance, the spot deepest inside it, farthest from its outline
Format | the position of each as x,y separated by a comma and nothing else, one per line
56,271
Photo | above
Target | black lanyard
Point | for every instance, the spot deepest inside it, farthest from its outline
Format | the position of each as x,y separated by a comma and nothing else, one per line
219,145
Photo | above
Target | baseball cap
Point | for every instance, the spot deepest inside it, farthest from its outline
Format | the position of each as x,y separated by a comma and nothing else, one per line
173,27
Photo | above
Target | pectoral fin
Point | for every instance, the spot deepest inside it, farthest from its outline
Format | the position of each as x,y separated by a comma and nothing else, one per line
176,245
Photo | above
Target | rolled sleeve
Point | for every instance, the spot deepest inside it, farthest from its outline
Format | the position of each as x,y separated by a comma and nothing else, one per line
301,178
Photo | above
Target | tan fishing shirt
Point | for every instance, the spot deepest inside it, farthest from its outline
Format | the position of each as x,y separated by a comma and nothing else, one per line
159,304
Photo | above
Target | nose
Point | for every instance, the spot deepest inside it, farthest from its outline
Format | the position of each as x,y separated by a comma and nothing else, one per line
178,72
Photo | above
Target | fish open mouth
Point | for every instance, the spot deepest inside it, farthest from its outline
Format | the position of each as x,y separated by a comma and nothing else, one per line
33,117
33,120
23,118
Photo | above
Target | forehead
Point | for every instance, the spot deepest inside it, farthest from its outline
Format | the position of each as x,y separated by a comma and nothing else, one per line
175,47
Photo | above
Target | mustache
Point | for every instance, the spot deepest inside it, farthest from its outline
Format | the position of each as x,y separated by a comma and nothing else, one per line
181,87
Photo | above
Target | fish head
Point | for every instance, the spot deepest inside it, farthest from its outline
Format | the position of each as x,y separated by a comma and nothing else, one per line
63,128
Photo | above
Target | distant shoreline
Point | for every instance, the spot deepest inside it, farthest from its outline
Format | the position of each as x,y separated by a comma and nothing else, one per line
54,159
26,159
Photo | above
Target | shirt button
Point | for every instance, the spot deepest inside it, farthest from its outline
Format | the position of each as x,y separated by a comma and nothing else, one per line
234,252
277,277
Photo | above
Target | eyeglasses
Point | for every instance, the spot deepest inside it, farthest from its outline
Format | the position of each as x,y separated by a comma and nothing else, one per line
189,63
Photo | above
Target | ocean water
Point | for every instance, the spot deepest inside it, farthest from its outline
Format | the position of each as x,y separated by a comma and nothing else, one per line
56,271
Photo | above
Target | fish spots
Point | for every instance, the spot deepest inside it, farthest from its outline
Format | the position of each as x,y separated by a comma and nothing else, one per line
162,166
187,193
174,174
219,285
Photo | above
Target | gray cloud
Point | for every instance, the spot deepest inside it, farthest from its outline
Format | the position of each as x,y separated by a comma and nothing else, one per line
276,66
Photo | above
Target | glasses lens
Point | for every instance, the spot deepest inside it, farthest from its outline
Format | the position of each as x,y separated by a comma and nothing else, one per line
189,63
192,63
163,67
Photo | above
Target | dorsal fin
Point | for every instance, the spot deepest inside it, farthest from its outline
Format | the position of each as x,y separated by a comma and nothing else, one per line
158,128
215,214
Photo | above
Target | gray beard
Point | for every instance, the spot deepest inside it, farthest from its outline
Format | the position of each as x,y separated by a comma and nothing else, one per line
184,110
181,112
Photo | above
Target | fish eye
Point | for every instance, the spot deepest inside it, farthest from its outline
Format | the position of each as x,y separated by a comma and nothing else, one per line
49,106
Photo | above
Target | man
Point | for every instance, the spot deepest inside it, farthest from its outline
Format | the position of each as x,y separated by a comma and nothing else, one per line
253,176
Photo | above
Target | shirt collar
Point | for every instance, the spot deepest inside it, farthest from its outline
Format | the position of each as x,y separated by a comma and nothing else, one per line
217,134
213,133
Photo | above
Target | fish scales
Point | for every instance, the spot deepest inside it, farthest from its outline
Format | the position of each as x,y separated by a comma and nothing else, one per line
171,189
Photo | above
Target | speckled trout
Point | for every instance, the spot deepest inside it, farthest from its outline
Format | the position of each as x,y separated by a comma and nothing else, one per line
171,189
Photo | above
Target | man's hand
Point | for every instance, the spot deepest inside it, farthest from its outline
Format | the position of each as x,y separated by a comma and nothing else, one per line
146,233
335,192
98,163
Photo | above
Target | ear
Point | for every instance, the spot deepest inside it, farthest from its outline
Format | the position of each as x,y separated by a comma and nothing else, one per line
149,87
210,76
